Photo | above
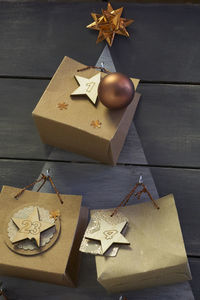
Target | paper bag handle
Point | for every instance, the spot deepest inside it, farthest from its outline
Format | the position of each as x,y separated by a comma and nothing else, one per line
138,194
43,178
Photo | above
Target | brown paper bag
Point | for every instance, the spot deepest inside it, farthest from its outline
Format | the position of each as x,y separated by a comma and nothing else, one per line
70,129
60,263
156,255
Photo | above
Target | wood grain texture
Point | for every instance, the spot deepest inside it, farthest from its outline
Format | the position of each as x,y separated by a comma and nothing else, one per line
36,36
163,42
162,45
89,288
168,121
19,173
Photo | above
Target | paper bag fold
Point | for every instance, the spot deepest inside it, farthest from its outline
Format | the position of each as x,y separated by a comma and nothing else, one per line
156,255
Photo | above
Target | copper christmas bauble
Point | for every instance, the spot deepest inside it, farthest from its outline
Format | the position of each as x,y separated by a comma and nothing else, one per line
116,91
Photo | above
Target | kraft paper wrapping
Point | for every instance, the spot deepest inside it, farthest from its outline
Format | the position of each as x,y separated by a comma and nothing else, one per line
156,255
60,263
70,129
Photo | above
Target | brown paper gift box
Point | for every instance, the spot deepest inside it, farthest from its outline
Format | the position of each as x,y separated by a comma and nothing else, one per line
60,263
70,129
156,255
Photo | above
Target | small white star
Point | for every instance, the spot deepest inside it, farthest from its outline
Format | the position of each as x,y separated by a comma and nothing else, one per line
88,87
108,234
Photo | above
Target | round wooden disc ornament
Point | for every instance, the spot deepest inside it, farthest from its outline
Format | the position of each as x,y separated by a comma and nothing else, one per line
30,230
116,91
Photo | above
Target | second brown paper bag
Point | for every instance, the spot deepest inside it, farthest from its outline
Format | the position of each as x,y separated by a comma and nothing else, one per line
156,255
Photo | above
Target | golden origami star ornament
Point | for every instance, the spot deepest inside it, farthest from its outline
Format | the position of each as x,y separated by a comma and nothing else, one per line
31,227
88,86
108,234
109,24
96,124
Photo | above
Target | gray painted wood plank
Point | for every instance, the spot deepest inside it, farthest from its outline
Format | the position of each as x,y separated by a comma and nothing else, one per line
163,42
89,288
36,36
101,186
167,121
19,173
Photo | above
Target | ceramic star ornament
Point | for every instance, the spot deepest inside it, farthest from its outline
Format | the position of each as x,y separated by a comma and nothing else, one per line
110,23
31,227
108,234
88,86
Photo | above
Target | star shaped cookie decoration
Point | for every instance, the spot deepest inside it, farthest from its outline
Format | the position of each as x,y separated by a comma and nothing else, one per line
110,23
31,227
88,86
108,234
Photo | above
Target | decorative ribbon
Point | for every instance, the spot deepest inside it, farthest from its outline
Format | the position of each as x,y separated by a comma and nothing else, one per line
138,195
43,178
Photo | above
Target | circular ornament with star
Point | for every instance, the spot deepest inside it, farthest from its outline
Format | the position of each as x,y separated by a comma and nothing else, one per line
31,230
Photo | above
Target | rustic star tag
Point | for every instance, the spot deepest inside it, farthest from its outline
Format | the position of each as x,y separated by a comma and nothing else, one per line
108,234
88,87
31,227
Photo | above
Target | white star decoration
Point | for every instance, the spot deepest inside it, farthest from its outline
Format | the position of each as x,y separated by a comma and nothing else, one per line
88,86
31,227
108,234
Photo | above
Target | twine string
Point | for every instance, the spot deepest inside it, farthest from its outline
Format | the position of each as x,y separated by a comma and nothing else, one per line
43,178
102,69
138,195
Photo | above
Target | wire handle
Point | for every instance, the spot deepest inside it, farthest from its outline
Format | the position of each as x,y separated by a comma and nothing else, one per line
138,195
43,178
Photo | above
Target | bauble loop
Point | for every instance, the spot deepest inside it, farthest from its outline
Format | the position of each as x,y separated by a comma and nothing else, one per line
116,91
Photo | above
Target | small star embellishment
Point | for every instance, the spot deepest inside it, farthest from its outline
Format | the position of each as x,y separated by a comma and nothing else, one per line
55,214
88,87
96,124
62,105
30,228
108,234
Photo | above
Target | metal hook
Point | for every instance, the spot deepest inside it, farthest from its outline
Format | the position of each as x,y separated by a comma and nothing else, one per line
102,66
48,172
140,181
